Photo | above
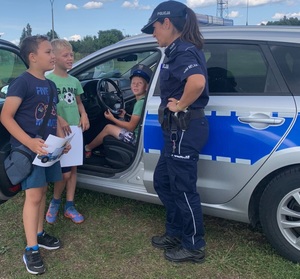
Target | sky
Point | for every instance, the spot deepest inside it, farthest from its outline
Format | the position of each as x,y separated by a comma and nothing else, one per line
75,19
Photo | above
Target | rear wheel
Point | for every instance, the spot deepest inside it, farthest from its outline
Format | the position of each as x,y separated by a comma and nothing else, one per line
280,213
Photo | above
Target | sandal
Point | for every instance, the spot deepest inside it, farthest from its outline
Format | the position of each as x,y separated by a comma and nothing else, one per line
87,153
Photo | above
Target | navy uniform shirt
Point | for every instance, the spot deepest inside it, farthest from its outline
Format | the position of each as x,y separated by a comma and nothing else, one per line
183,59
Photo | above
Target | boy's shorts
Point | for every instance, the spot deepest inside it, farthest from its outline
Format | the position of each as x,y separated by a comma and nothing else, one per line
41,176
127,136
66,169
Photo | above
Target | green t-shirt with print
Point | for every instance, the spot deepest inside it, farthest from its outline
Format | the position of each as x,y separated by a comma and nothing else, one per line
137,110
67,88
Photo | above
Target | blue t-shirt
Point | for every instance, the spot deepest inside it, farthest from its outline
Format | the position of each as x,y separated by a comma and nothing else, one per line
183,59
35,94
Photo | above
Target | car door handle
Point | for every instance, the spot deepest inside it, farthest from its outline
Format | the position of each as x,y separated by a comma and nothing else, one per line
261,120
270,121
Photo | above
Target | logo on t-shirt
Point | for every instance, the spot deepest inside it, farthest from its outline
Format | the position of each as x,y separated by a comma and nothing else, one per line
69,98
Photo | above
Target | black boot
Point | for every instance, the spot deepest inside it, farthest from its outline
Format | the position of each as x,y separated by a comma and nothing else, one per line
165,242
180,254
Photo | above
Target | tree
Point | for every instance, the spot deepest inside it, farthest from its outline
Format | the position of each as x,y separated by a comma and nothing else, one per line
294,21
49,35
106,38
90,44
26,32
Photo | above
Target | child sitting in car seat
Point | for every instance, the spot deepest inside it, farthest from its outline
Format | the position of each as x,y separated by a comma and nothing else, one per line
123,130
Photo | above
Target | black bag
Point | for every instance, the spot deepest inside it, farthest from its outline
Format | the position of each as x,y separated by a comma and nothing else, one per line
18,164
7,189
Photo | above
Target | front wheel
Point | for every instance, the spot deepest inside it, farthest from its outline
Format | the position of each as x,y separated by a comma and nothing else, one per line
280,213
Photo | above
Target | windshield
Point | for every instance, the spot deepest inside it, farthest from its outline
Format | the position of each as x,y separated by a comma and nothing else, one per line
120,66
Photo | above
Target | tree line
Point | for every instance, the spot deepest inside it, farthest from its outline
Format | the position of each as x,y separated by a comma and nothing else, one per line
285,21
89,44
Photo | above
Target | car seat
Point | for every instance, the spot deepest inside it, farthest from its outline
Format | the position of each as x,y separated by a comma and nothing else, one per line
118,154
221,80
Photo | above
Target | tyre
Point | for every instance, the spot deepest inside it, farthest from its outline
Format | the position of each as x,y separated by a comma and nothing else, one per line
45,159
280,213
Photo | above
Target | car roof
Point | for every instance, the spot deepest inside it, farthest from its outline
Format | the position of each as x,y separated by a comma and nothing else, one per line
274,33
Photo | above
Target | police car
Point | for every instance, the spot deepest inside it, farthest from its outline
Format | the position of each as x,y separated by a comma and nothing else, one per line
249,171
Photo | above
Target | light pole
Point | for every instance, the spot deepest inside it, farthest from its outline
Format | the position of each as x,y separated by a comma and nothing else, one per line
51,1
247,12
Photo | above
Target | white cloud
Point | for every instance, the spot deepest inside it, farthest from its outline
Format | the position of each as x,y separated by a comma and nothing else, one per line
1,34
71,7
233,14
253,3
232,3
200,3
15,41
74,38
92,5
135,5
278,16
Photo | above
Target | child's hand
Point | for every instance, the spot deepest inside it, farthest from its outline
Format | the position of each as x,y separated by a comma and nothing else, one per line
37,145
84,122
65,126
122,113
108,115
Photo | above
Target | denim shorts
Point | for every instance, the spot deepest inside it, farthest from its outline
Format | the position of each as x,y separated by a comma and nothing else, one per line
41,176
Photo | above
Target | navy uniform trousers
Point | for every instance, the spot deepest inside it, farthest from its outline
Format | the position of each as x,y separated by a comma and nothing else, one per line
175,179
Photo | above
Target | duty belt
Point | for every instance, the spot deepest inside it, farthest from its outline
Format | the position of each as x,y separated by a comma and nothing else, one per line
180,120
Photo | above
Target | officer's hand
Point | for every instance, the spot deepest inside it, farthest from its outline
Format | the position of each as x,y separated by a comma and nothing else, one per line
172,105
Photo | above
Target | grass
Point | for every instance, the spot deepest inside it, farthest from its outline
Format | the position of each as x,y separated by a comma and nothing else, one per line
114,243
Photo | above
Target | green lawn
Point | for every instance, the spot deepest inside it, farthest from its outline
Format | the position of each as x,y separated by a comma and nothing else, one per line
114,242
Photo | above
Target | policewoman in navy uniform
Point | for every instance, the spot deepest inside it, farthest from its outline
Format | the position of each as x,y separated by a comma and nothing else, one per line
184,95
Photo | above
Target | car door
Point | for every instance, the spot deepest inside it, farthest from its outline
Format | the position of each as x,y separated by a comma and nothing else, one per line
11,66
250,112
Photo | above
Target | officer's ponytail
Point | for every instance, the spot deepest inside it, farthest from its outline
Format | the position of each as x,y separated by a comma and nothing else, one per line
191,32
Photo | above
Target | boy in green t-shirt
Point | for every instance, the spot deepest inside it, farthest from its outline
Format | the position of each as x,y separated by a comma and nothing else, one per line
123,130
70,111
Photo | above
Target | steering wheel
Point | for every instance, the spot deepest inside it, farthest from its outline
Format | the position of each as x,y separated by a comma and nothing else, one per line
110,96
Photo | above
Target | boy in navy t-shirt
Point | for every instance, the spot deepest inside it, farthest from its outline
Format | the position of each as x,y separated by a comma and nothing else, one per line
22,115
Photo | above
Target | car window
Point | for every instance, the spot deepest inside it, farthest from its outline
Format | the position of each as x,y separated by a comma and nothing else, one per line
288,61
11,66
239,68
119,66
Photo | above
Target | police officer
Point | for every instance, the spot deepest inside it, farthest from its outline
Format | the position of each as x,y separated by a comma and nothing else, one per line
184,94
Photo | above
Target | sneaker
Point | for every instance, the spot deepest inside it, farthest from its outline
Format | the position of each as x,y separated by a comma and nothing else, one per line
52,212
48,242
165,242
181,254
33,262
74,215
